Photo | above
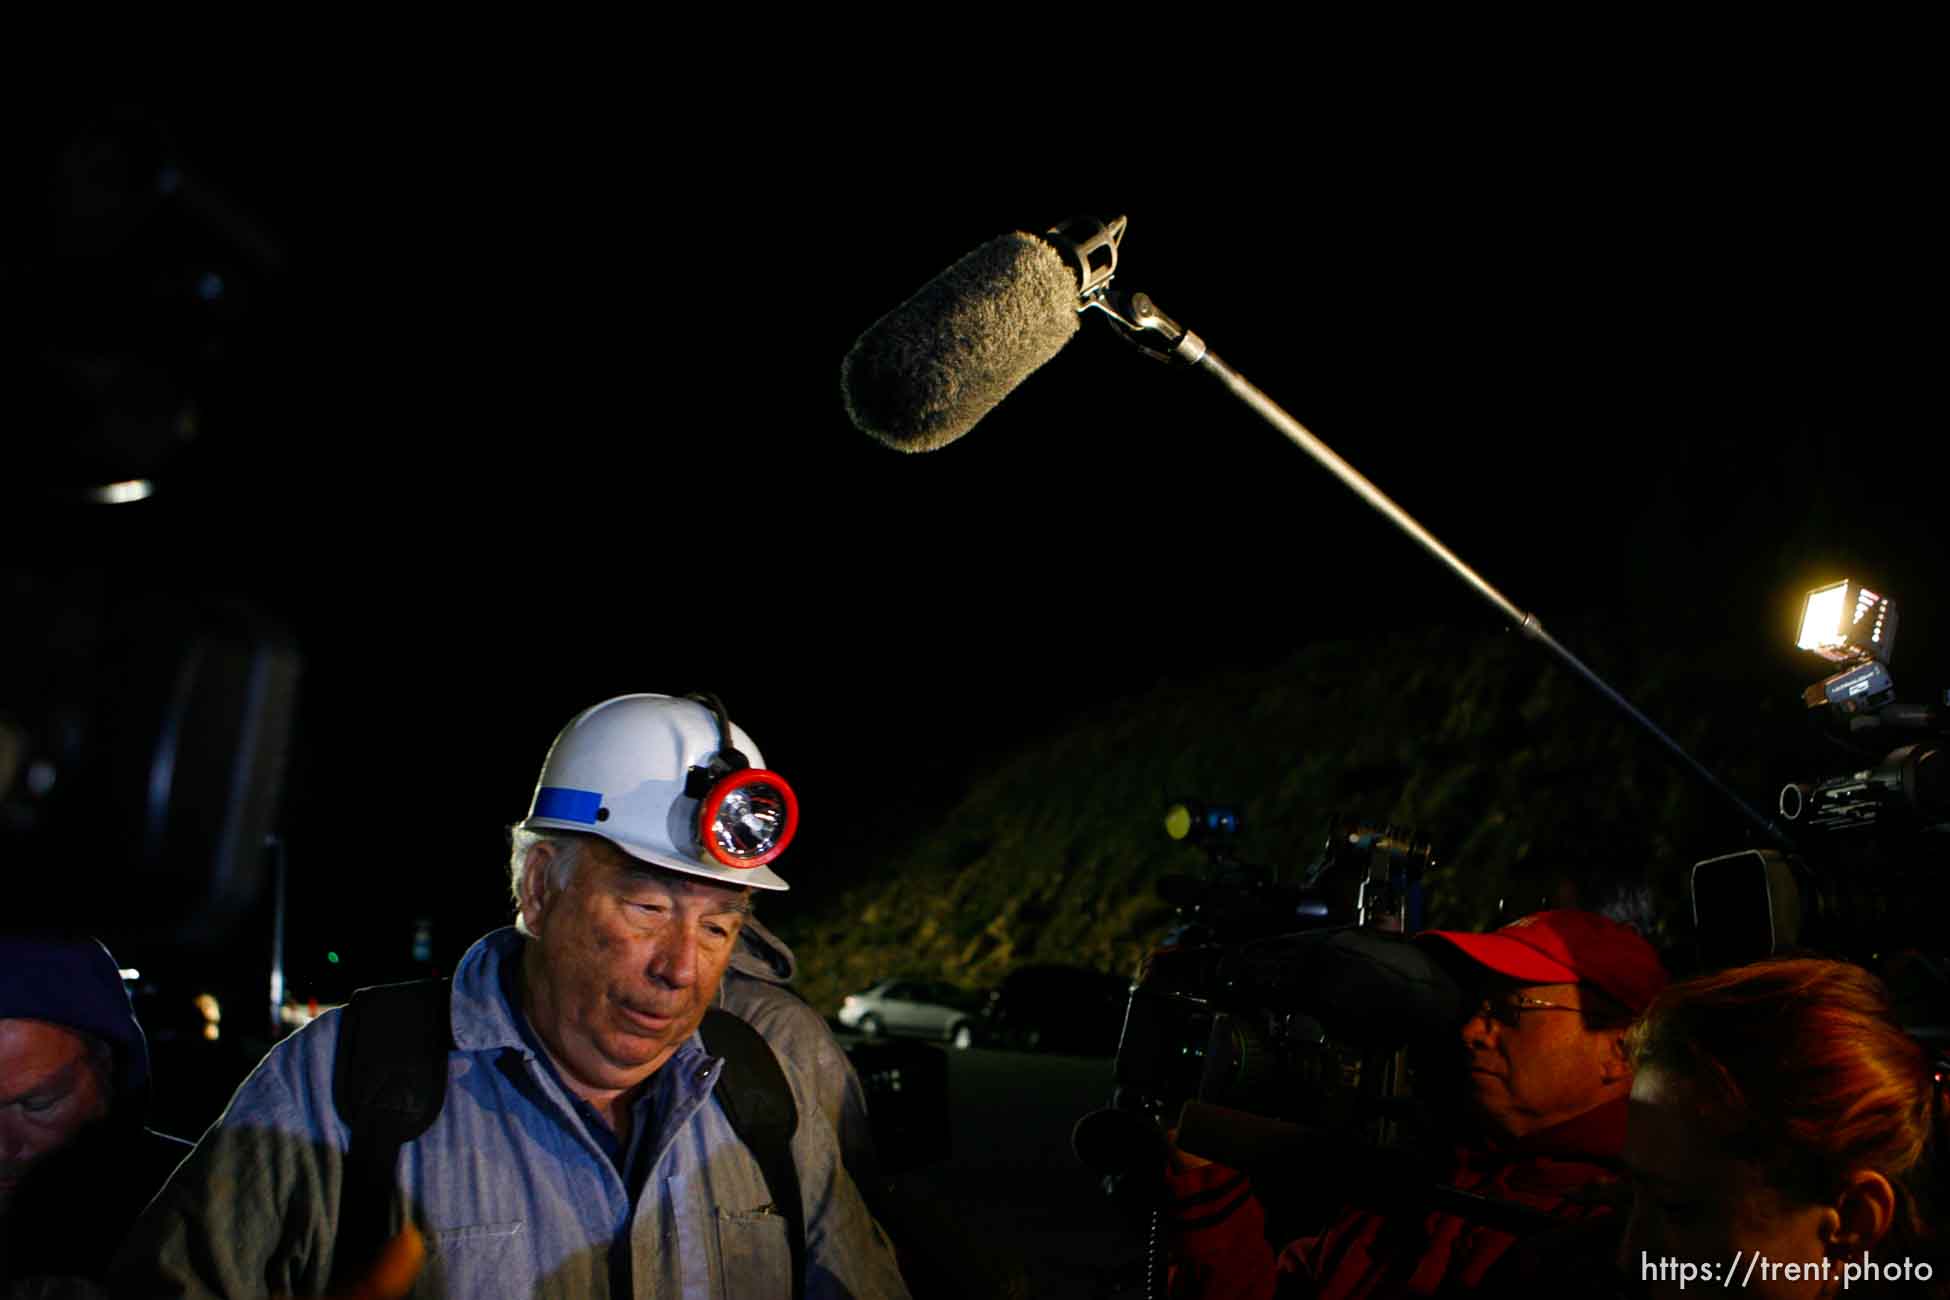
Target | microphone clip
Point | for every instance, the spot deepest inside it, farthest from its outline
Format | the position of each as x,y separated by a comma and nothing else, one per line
1142,325
1090,246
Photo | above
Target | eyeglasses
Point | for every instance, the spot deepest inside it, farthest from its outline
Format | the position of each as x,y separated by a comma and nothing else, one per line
1508,1012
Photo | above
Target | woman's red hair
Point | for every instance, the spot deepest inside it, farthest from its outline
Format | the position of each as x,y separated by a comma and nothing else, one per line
1806,1073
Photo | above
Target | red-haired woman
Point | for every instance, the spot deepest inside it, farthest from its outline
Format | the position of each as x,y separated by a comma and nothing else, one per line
1781,1127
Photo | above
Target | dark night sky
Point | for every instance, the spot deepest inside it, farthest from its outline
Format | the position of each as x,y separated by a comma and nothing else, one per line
543,407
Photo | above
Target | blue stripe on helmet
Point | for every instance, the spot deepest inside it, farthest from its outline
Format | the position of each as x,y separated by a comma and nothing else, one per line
564,804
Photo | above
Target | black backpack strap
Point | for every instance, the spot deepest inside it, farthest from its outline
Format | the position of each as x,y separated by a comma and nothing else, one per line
389,1080
758,1102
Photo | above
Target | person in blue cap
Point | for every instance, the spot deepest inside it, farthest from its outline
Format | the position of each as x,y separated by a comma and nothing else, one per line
77,1164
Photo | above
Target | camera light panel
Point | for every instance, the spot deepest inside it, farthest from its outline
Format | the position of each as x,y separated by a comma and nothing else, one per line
1821,618
1845,621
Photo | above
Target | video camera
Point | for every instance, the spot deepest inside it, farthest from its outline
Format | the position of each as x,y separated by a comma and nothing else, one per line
1862,882
1286,999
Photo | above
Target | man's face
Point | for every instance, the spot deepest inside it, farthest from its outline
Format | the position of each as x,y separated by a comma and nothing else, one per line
624,964
1533,1068
51,1088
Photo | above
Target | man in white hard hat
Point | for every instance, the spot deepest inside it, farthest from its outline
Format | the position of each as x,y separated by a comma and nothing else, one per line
590,1141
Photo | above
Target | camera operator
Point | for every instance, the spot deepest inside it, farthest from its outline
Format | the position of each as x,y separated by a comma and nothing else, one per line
1780,1116
1548,1074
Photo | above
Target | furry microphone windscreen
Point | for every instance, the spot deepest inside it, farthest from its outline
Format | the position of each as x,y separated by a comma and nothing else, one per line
929,369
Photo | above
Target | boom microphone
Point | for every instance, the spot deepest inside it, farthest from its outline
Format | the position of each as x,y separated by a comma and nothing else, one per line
927,371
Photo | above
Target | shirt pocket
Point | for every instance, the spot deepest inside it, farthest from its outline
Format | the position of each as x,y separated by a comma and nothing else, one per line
473,1259
473,1235
754,1254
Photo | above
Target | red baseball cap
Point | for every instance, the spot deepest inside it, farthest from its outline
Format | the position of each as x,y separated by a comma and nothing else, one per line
1567,947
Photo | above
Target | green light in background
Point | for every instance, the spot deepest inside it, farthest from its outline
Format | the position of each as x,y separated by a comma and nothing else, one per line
332,957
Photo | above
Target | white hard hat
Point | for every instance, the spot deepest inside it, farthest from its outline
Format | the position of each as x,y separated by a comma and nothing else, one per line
656,777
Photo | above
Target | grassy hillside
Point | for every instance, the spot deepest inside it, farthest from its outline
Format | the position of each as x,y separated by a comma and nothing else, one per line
1534,790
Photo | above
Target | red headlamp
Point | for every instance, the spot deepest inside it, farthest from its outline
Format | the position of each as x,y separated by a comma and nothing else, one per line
747,817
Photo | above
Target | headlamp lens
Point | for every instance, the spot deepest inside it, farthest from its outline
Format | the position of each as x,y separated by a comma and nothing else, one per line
749,818
749,821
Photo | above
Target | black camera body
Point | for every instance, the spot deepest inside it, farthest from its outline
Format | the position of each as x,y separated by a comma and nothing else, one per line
1864,876
1284,999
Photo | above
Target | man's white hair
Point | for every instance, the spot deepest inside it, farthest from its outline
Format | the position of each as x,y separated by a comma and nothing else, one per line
568,847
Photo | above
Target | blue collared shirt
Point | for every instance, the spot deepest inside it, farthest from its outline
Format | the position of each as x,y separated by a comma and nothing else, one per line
515,1186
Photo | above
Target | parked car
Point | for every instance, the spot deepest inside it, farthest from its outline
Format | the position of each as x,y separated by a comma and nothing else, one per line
1057,1009
915,1007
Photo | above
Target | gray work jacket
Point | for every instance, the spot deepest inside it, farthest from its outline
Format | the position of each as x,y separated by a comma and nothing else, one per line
519,1199
757,989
